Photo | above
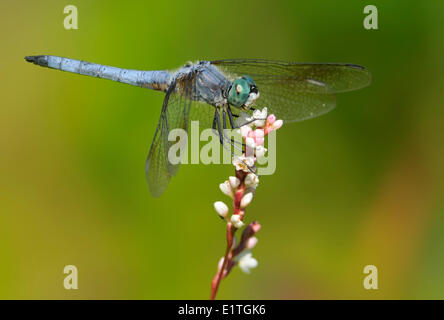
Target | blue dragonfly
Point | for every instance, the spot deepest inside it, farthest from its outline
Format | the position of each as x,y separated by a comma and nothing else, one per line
215,92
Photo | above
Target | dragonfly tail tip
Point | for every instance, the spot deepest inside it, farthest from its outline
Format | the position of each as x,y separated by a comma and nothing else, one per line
38,60
30,58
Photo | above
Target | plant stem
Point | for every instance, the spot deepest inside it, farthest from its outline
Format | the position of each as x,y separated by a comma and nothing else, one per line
218,277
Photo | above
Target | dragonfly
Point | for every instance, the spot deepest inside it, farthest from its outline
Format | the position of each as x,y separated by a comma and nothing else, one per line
216,92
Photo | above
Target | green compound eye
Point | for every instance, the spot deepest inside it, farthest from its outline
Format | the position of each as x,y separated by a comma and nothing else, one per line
240,91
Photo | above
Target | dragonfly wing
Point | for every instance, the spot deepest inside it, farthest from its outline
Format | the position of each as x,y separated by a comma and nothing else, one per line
174,115
297,91
156,169
178,111
286,103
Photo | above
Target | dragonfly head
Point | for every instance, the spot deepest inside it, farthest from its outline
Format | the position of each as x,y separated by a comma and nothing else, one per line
243,93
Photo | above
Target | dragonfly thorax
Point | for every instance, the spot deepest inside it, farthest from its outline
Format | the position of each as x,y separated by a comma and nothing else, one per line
243,92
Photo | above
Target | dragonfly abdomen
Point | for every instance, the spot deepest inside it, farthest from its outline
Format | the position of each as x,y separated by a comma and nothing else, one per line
156,80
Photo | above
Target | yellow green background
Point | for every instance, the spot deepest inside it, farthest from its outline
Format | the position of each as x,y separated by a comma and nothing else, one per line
361,185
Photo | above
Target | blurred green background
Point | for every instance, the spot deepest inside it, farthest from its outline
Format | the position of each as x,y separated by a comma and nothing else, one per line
361,185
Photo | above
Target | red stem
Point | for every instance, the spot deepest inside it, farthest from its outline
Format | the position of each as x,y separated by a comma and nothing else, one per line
218,277
223,272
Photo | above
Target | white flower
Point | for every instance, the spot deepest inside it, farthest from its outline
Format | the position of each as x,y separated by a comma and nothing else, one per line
250,147
234,182
251,180
259,123
221,209
246,199
236,221
251,243
242,163
249,141
226,189
246,261
244,130
260,151
261,116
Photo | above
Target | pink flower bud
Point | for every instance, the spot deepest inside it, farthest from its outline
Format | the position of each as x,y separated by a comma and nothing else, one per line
271,119
255,226
245,130
260,141
259,133
277,124
251,243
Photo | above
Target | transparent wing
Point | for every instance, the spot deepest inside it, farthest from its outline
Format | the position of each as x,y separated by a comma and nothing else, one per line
174,115
297,91
178,111
156,169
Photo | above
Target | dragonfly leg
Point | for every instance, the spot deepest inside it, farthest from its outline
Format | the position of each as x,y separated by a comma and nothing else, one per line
233,125
223,138
236,144
216,126
231,115
250,121
220,128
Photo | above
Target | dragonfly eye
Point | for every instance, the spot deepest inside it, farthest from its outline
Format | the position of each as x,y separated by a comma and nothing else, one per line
243,92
